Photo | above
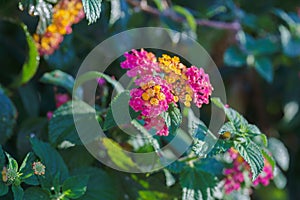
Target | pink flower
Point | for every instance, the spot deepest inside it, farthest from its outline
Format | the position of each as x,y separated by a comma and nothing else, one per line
265,177
233,180
61,99
234,176
152,97
49,115
140,63
200,84
101,81
157,123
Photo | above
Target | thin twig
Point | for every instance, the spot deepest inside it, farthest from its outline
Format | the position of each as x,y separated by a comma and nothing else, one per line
235,26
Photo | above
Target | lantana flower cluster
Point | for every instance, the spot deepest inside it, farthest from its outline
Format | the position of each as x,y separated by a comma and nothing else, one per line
161,82
235,176
65,14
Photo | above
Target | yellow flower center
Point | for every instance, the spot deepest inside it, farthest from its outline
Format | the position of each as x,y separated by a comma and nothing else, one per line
154,101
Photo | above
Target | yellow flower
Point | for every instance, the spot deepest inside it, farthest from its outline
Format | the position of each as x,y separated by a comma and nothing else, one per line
154,101
161,96
145,96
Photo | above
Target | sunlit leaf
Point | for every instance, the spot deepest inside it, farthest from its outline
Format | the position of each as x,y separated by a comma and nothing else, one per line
59,78
75,186
118,155
188,15
252,155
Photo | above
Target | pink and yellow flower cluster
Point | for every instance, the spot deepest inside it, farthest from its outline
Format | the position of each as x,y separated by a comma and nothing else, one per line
235,176
161,82
65,14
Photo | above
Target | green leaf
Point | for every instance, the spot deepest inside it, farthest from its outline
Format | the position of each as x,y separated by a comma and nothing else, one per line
12,163
173,118
117,155
28,160
234,57
30,67
36,193
227,127
220,147
3,188
264,67
8,117
98,179
75,186
82,159
279,152
176,167
54,163
197,180
41,8
238,120
18,192
119,105
2,158
283,15
62,124
93,75
26,170
170,180
252,155
59,78
264,46
290,43
92,9
210,165
29,127
154,195
253,129
30,99
269,158
188,15
159,4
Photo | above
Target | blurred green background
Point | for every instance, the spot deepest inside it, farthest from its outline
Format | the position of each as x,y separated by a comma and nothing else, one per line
255,44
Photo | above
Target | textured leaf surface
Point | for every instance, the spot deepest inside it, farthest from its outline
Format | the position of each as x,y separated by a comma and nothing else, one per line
92,9
252,155
195,180
62,124
173,118
54,163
